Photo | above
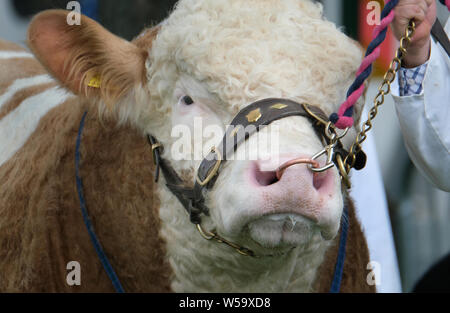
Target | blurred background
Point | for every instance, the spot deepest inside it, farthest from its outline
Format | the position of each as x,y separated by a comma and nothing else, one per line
420,214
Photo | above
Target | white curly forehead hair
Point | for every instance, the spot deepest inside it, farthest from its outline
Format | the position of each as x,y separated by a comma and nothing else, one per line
245,50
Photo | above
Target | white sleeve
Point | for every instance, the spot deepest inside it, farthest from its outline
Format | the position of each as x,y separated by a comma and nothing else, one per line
371,205
425,119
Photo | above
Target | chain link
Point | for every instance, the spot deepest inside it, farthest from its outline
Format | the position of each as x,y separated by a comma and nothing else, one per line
383,91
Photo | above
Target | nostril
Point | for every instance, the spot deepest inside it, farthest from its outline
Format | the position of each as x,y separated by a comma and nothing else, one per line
266,178
262,175
319,180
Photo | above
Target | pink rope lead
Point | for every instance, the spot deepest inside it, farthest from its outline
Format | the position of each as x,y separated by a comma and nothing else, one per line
344,118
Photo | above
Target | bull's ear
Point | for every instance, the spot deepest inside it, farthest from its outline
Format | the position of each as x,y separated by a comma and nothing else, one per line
86,58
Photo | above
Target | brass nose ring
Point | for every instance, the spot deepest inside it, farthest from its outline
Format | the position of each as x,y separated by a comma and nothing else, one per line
285,166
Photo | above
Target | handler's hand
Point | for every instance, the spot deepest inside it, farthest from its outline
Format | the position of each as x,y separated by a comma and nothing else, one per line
424,14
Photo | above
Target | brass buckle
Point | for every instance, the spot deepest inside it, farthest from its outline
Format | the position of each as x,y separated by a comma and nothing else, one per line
330,130
154,147
212,236
332,134
308,110
205,234
214,170
343,172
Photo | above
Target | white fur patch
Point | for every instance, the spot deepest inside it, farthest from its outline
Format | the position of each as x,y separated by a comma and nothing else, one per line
17,126
15,55
21,84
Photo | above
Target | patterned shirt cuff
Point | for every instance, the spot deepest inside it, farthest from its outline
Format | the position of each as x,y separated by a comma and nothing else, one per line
410,80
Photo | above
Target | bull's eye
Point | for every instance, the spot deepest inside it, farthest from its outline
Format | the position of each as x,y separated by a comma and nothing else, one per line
187,100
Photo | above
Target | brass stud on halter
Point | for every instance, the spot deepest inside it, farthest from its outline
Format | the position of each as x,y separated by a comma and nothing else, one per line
254,116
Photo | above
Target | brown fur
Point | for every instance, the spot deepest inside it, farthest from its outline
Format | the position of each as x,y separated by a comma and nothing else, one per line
9,46
355,267
20,96
41,226
12,69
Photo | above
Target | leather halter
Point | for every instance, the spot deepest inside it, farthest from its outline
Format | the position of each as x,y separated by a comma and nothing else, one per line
259,114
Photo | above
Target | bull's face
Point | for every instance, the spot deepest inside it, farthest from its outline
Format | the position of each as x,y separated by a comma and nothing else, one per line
222,58
249,203
193,74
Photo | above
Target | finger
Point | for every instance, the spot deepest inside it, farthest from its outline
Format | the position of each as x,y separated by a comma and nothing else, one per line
423,4
409,12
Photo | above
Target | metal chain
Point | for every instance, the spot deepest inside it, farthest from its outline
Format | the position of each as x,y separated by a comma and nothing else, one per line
213,236
384,90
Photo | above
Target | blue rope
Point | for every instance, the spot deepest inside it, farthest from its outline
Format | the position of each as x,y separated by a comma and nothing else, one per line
339,269
87,220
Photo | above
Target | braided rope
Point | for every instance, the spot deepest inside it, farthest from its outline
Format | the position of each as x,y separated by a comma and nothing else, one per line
344,118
